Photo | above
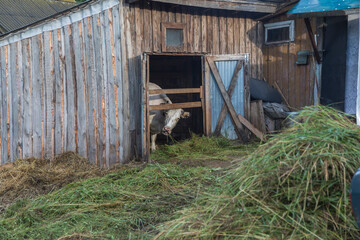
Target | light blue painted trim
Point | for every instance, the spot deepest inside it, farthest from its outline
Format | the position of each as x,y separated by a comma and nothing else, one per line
311,6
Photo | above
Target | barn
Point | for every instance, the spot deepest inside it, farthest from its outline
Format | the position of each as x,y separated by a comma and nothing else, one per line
78,81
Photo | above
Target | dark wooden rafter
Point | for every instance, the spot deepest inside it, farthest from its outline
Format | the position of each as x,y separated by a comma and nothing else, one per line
235,5
312,39
283,8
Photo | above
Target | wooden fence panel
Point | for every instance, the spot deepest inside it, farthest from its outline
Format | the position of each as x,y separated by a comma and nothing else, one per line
76,86
62,90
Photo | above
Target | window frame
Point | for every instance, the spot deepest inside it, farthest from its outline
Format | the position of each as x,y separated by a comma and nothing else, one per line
172,25
276,25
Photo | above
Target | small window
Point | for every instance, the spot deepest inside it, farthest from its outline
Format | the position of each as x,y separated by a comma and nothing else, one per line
173,37
280,32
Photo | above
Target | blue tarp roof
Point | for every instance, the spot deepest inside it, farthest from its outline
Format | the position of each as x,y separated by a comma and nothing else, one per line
315,6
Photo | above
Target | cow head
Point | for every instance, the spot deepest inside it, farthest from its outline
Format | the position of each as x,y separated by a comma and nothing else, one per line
172,117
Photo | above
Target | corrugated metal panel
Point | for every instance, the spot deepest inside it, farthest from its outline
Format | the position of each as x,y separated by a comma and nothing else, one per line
312,6
15,14
226,70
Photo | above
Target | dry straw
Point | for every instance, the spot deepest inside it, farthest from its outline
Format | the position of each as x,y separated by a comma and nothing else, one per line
295,186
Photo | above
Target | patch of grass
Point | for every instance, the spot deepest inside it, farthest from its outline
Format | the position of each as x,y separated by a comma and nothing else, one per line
295,186
126,204
202,148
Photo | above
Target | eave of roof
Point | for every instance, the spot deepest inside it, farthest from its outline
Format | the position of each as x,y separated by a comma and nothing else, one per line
49,18
308,8
234,5
15,14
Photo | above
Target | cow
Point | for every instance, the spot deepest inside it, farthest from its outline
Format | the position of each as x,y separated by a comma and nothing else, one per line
162,121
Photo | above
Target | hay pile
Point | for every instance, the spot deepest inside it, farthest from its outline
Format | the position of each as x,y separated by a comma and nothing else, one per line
295,186
26,178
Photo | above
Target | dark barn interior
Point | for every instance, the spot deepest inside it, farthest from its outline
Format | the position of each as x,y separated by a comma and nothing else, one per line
334,63
171,72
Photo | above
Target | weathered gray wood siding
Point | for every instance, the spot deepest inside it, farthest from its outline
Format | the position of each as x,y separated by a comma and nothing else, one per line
65,90
76,84
208,31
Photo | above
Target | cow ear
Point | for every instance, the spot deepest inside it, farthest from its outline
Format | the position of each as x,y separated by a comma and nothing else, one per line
185,115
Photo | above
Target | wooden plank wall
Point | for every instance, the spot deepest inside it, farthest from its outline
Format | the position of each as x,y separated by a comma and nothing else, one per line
78,88
295,81
214,32
64,90
208,31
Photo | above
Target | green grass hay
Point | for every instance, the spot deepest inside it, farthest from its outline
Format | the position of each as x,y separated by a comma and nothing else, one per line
126,204
202,148
295,186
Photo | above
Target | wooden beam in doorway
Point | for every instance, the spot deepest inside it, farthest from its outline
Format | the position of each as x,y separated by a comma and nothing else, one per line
175,91
175,106
312,39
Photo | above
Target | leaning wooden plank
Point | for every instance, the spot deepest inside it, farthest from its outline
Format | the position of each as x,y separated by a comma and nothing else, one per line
118,77
49,87
81,111
175,106
26,127
230,91
227,100
4,128
90,75
70,133
312,40
36,97
111,92
251,127
175,91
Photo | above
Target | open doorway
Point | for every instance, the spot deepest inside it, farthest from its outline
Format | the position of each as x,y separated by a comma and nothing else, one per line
334,62
179,72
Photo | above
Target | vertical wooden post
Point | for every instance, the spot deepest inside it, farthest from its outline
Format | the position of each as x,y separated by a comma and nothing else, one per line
145,104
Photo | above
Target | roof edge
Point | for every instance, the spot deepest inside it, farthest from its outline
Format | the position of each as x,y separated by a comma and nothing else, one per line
58,21
52,17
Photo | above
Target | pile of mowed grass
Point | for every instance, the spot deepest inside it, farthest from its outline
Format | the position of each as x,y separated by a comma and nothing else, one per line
202,148
295,186
126,204
32,177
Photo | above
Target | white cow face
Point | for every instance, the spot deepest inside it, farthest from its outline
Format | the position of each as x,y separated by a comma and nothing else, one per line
172,117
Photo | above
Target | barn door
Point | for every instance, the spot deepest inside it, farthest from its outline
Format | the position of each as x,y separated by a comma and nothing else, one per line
227,95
